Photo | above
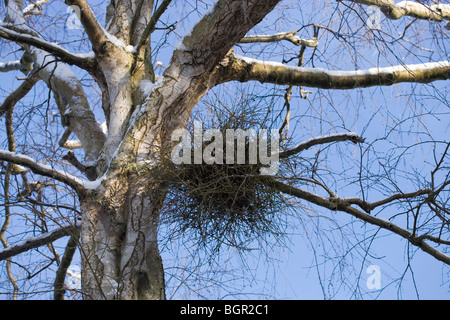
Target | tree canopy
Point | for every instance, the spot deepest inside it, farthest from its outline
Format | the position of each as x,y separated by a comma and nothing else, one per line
92,93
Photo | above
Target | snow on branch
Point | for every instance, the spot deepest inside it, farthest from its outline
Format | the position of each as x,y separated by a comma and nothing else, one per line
245,69
24,64
10,66
347,136
82,60
390,9
288,36
44,239
45,170
29,9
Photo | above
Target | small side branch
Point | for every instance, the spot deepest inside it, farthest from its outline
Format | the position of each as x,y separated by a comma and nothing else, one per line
89,171
35,242
25,64
58,291
152,24
369,206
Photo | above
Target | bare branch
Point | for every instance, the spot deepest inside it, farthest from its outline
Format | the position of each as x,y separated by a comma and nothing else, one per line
143,40
244,69
35,242
337,204
69,94
64,265
152,24
7,213
347,136
369,206
18,94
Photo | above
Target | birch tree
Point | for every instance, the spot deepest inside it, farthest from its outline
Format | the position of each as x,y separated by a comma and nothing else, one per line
105,160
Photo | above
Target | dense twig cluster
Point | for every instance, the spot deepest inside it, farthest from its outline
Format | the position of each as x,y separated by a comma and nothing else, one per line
229,204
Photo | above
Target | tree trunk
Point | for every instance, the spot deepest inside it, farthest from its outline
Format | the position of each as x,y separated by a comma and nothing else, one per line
119,245
120,255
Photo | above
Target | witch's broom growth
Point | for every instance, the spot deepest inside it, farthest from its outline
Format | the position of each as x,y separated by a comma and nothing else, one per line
223,203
